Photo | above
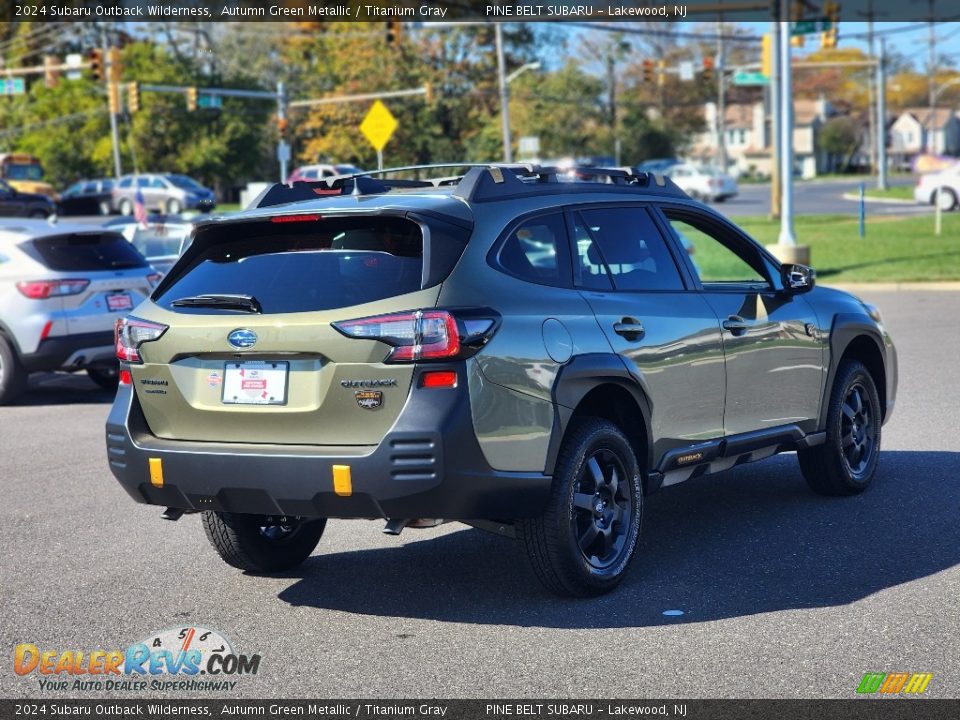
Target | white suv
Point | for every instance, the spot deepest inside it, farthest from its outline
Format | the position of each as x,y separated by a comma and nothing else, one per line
62,287
941,187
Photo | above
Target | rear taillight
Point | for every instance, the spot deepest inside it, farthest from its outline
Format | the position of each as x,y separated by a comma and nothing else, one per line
43,289
131,333
425,334
154,279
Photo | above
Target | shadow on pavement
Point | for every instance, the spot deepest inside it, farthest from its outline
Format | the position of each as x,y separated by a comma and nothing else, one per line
63,389
748,541
827,272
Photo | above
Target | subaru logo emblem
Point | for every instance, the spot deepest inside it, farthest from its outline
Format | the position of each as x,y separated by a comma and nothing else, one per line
242,339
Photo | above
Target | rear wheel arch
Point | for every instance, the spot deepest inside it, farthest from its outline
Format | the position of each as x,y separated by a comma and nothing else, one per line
600,386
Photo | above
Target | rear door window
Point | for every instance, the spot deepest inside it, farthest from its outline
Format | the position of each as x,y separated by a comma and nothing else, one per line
622,245
302,266
88,252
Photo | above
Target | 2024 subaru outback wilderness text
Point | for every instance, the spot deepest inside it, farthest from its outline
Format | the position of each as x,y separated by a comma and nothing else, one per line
503,348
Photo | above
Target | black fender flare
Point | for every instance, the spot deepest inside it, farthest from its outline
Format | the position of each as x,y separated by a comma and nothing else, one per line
576,379
845,329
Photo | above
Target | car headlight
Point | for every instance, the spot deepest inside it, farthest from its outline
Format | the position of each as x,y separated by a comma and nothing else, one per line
874,312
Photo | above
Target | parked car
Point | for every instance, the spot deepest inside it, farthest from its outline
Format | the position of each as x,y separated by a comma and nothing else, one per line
170,194
658,165
161,241
941,187
62,288
319,172
87,197
703,183
14,203
527,355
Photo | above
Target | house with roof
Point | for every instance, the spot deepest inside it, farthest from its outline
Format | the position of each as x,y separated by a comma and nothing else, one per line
747,136
913,133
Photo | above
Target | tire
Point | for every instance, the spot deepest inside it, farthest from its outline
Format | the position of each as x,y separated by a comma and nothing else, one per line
246,543
583,543
948,201
846,463
125,208
106,377
104,208
174,206
13,378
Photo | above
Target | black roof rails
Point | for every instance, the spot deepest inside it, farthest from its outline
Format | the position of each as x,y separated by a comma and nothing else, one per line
481,183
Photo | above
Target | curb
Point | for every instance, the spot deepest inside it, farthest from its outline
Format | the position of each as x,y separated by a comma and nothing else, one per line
948,286
867,199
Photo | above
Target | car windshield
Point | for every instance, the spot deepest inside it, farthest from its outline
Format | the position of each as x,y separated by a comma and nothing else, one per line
184,183
346,169
16,171
158,241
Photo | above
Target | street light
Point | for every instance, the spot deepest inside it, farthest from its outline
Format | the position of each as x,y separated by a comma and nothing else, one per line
521,70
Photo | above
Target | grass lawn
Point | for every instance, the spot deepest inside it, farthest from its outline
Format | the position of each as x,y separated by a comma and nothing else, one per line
895,249
897,192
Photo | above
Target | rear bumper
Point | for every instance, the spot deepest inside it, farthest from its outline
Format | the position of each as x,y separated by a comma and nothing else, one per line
428,466
72,352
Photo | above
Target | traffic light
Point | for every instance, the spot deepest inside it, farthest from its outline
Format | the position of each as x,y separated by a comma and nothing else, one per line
661,72
708,68
51,75
798,10
648,71
797,41
282,124
133,97
766,55
114,69
428,94
113,96
96,64
393,32
828,39
191,99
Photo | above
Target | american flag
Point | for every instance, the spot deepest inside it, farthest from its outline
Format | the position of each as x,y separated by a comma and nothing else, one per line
140,208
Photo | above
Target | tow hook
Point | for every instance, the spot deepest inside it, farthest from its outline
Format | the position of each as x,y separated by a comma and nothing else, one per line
173,514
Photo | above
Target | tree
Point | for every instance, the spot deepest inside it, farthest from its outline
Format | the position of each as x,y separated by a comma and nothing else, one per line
840,136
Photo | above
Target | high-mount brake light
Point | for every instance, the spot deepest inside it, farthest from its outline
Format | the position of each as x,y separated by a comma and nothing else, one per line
43,289
295,218
131,333
424,334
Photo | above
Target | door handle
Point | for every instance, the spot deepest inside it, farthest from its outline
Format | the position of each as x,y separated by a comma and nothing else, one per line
736,325
630,328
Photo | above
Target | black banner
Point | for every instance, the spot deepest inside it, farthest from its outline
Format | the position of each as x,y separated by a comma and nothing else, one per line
426,11
862,709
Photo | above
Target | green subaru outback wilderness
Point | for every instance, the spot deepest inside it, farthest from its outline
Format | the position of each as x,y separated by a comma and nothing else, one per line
526,351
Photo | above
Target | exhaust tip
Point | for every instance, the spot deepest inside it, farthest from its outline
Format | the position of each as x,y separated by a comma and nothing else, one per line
172,514
395,526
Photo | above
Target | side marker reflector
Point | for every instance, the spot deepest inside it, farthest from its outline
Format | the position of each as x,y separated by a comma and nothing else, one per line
156,472
342,483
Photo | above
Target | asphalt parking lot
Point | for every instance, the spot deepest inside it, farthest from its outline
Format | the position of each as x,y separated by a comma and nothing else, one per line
783,593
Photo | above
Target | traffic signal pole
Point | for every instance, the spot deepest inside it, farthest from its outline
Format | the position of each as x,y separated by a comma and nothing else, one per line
787,237
283,149
107,77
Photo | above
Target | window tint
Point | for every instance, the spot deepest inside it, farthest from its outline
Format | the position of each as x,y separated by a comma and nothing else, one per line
126,182
107,185
535,251
302,267
90,187
713,260
157,183
143,182
628,244
88,252
589,270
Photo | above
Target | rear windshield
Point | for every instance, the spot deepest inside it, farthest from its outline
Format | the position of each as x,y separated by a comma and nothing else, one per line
85,252
160,240
303,266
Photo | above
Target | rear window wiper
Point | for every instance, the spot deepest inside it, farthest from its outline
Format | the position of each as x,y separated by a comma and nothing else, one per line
247,303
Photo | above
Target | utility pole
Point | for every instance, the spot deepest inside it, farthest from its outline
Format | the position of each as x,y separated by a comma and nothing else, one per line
104,37
882,116
787,237
775,118
504,97
283,149
721,102
932,82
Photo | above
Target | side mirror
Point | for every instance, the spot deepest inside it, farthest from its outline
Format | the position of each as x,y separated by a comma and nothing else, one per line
797,278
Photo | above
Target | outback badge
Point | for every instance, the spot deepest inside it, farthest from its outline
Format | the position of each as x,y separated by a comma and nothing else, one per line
369,399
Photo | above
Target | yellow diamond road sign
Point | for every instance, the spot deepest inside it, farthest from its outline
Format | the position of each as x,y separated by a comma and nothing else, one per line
378,125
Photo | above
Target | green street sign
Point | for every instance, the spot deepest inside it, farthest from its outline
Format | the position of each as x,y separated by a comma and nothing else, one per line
809,27
12,86
750,78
